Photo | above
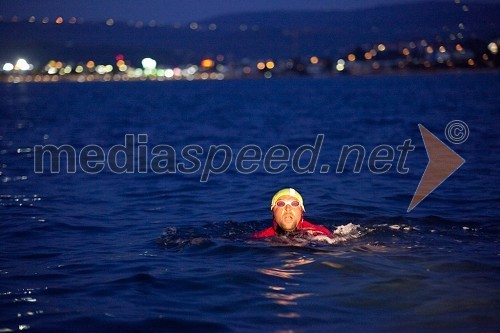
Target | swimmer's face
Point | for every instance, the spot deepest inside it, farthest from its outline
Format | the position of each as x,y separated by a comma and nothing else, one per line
288,216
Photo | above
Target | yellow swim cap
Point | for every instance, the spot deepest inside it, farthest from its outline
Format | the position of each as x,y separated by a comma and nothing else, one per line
288,191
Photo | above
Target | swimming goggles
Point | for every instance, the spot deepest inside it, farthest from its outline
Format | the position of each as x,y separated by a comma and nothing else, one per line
283,203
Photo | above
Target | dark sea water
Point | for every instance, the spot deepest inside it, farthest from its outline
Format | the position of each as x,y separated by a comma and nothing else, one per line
150,252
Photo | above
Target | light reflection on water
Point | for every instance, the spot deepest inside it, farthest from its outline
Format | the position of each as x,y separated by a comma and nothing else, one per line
279,294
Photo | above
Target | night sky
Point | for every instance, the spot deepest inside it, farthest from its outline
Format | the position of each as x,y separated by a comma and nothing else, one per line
168,11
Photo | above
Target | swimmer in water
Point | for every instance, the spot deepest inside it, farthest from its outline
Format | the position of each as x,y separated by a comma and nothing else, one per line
288,217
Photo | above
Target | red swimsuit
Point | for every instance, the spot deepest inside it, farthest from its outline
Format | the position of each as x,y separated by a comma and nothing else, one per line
302,226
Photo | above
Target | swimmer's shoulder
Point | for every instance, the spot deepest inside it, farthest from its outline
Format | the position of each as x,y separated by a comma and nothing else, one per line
319,228
269,232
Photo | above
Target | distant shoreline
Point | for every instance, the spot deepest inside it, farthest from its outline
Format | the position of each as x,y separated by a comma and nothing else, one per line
46,78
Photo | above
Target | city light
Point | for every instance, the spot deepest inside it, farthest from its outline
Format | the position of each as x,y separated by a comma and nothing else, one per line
8,67
148,63
22,65
270,64
340,65
493,47
207,63
169,73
